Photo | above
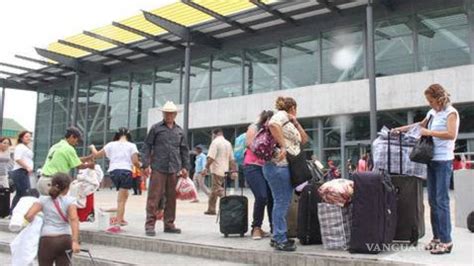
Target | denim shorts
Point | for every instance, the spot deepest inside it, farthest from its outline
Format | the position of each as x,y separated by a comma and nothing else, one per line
122,178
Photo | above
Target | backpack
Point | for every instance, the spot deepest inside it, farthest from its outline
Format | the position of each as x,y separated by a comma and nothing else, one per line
239,148
264,144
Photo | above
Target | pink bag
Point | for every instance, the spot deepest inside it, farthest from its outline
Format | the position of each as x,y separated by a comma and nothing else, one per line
185,189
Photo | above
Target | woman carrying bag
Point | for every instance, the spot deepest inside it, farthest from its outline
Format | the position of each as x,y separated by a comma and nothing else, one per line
60,231
289,135
443,127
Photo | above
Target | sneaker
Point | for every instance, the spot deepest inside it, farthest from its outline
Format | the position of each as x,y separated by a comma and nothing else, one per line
150,232
172,230
273,243
257,233
265,234
286,246
114,229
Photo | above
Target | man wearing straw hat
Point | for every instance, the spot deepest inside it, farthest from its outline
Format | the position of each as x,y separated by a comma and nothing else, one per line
165,150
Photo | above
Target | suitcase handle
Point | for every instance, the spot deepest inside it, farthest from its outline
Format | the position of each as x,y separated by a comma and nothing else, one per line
228,174
389,159
69,255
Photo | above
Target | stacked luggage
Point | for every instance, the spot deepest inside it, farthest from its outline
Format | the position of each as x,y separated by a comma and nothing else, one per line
410,211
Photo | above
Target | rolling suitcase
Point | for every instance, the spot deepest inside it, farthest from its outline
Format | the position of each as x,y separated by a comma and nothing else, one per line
410,208
374,210
87,214
233,213
309,231
292,217
4,202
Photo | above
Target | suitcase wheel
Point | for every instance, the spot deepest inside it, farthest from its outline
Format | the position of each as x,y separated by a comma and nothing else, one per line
226,235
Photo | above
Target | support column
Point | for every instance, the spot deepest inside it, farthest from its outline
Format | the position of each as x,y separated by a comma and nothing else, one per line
187,70
410,117
343,150
321,139
2,106
130,77
371,71
75,95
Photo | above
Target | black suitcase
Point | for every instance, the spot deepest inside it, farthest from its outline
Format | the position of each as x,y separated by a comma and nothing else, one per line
309,231
233,213
292,217
410,208
4,202
374,213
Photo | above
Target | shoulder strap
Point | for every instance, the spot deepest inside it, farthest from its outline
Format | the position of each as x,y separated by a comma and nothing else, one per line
56,204
428,124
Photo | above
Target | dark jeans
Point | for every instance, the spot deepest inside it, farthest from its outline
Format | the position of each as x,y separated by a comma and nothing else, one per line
439,175
22,183
262,193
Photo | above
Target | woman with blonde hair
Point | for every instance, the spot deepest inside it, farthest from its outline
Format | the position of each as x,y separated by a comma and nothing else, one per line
441,123
60,231
289,134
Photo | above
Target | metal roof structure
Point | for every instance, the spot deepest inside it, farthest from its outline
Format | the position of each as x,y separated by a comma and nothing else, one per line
153,33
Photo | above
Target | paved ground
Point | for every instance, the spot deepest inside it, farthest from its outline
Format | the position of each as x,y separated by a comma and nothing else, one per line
202,229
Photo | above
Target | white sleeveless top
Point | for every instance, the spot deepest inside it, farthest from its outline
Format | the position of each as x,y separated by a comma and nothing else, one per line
443,148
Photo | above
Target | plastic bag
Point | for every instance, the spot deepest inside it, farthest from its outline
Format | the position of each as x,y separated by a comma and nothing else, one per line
185,189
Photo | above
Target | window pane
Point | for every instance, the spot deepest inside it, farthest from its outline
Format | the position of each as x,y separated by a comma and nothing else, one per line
466,113
167,82
261,70
343,55
443,39
118,104
300,62
394,47
359,128
42,130
142,92
226,76
199,89
97,113
391,119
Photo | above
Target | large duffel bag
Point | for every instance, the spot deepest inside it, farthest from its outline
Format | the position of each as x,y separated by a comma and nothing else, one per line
374,210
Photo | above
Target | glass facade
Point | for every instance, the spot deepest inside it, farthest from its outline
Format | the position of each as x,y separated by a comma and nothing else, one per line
414,41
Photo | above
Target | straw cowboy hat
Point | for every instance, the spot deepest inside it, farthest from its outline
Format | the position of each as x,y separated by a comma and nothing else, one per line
169,107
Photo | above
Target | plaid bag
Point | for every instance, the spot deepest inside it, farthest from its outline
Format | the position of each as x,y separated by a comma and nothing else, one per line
335,223
380,157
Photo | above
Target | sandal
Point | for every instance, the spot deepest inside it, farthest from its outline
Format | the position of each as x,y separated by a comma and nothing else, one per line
442,248
432,245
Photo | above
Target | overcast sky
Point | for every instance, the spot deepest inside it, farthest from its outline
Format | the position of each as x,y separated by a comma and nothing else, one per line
25,24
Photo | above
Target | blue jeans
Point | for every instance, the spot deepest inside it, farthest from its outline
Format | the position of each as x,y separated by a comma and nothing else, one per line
278,178
439,174
262,193
22,184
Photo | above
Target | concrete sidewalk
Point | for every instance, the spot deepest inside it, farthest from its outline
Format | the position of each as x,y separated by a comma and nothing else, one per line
200,229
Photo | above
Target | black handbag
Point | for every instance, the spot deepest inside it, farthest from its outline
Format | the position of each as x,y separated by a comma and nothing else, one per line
299,171
423,150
